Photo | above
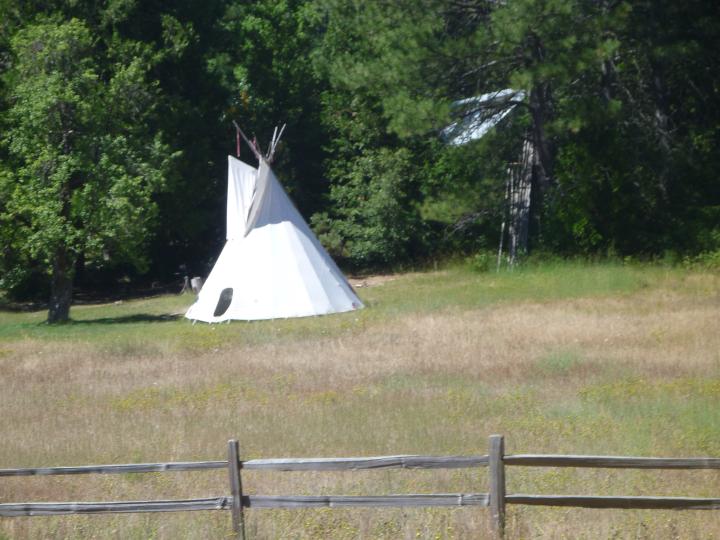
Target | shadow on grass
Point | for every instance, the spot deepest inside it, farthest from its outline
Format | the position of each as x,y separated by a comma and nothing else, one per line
21,307
137,318
91,297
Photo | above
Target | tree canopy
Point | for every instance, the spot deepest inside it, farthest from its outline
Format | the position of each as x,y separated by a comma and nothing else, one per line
116,118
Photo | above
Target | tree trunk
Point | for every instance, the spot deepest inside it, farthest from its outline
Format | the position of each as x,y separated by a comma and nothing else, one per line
540,172
541,112
521,182
607,80
63,262
61,288
662,126
657,18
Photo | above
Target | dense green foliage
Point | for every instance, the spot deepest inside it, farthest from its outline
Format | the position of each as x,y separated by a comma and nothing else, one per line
116,119
84,166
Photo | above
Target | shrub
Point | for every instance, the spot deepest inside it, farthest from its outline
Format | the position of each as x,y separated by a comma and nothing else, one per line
482,261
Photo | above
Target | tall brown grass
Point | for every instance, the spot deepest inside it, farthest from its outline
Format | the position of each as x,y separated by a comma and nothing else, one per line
630,374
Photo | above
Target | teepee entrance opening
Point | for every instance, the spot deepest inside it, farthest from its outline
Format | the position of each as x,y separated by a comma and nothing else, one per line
223,302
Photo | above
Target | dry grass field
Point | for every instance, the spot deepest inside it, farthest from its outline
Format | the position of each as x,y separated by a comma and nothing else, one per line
565,358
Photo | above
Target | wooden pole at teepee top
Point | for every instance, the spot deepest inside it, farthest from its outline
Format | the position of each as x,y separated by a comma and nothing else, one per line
255,147
272,146
274,142
252,146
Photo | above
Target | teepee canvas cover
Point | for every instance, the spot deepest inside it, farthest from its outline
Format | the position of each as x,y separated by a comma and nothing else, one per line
272,265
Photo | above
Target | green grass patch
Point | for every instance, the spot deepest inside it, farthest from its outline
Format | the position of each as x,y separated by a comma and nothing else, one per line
687,409
133,326
155,324
460,287
560,362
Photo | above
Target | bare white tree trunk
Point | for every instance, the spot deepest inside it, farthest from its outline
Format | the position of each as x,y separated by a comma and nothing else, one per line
505,215
521,176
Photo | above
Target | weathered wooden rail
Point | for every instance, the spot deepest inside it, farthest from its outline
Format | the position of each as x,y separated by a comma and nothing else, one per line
496,499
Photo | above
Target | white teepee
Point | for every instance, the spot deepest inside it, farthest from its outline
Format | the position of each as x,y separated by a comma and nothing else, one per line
272,265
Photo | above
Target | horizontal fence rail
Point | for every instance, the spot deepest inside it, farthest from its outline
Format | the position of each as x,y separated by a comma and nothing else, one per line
591,501
248,501
59,509
118,469
280,464
496,500
337,501
611,462
367,463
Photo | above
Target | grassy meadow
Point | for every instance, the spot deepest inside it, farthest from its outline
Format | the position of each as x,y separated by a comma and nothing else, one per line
569,357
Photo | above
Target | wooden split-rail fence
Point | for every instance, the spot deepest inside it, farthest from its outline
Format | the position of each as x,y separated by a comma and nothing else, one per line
496,499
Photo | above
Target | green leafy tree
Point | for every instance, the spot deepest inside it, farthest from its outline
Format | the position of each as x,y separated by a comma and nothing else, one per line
421,61
83,168
265,65
371,216
618,102
635,170
372,221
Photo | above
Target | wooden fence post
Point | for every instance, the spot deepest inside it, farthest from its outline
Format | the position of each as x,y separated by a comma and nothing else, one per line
234,466
497,484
